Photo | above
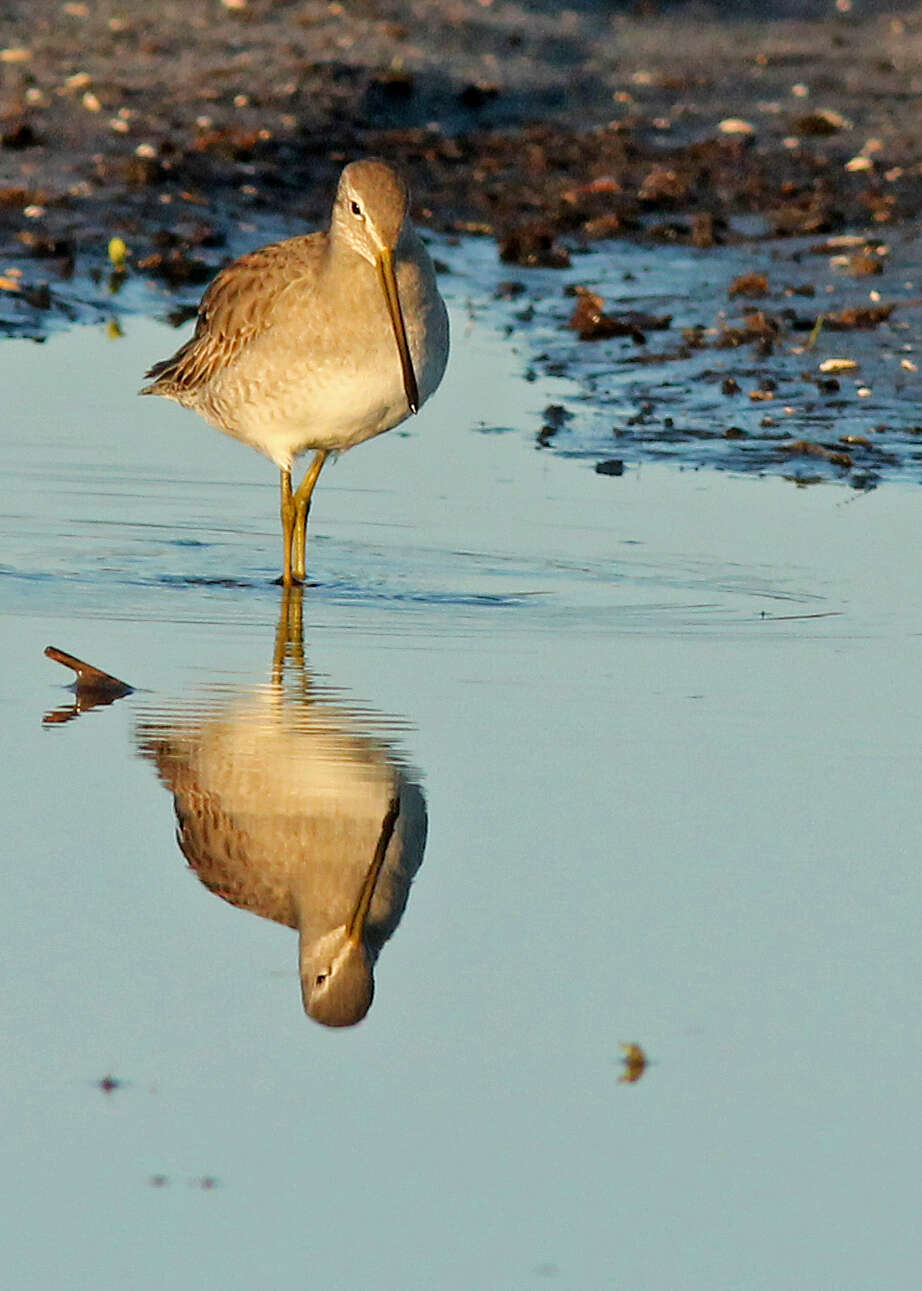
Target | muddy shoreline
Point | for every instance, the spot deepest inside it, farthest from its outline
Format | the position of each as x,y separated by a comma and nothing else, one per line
171,125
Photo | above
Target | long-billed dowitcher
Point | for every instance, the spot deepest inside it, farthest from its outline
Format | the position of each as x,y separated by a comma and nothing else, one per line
287,805
320,341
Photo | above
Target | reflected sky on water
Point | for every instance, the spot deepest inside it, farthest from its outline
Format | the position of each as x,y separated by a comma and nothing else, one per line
669,729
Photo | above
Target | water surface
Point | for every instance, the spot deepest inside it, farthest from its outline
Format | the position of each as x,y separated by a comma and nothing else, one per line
667,730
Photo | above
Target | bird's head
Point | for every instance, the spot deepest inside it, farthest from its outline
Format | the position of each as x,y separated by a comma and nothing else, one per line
371,207
369,214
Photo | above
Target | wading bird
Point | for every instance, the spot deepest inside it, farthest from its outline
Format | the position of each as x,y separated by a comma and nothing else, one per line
318,342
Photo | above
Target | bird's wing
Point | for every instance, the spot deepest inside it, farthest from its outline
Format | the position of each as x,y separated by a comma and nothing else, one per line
215,844
238,306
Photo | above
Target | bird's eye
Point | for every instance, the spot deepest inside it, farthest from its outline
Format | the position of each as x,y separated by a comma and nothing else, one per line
356,210
320,979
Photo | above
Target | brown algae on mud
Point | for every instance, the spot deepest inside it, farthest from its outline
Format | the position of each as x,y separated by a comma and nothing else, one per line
578,124
815,367
686,133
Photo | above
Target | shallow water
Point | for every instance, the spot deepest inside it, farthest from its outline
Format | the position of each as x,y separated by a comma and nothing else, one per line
666,726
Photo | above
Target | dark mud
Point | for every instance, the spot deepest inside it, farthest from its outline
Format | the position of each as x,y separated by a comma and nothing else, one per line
168,124
795,365
182,129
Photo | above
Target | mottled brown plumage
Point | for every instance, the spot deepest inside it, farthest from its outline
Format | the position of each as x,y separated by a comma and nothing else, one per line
319,342
241,303
286,809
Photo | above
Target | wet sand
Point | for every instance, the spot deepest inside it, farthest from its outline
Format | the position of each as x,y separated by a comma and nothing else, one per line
169,124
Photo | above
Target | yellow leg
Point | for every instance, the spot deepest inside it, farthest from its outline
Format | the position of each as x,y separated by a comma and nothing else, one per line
288,525
302,506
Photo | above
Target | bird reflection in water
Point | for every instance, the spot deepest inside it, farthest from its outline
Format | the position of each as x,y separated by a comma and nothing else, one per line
286,807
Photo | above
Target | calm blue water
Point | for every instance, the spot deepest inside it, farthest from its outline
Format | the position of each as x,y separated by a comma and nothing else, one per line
667,728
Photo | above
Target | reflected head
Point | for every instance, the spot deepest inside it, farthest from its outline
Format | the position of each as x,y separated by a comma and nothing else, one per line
337,985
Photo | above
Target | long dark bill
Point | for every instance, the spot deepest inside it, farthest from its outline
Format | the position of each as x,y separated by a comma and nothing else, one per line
356,929
389,285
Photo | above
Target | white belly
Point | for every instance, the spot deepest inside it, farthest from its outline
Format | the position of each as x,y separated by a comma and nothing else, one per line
296,389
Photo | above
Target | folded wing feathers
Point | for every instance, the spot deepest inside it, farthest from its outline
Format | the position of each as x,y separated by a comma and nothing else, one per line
236,308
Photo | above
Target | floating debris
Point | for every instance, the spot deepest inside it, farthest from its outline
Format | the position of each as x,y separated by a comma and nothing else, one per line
757,326
809,448
592,324
556,417
635,1064
862,316
749,284
90,678
93,688
859,266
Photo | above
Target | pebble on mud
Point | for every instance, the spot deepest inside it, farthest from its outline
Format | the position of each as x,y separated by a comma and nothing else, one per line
824,121
662,186
736,126
862,266
838,365
533,245
757,326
